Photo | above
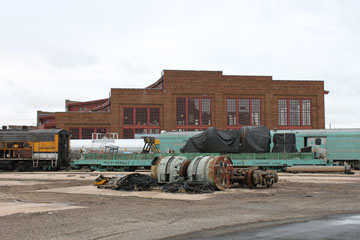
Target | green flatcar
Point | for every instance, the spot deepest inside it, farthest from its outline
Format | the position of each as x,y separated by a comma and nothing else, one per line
329,148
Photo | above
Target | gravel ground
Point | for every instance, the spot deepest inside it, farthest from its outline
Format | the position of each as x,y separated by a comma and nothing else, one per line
31,209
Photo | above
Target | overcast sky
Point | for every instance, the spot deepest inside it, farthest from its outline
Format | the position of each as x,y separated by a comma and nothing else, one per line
56,50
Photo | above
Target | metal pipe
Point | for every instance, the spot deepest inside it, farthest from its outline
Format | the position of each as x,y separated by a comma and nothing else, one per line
317,169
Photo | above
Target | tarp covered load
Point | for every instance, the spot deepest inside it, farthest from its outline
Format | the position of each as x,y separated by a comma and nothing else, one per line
284,143
251,139
284,138
255,139
213,141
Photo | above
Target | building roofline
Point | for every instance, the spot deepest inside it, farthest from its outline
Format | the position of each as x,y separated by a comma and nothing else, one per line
159,84
75,103
298,80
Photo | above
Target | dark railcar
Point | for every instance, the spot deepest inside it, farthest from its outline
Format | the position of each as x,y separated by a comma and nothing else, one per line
34,149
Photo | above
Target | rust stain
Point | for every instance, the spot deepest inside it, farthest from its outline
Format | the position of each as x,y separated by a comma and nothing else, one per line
220,172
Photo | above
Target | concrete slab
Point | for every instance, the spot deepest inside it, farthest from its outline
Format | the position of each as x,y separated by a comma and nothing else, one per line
13,207
4,183
321,181
319,178
145,194
58,175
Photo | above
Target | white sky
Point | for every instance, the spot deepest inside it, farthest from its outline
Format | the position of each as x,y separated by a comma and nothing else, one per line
56,50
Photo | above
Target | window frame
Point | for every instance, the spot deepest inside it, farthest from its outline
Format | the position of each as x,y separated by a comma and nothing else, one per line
192,127
80,131
149,126
237,105
288,114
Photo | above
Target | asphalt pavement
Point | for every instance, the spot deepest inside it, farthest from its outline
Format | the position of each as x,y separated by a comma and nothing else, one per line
332,228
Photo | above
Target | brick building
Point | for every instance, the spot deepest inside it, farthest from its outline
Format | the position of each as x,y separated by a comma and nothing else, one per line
193,101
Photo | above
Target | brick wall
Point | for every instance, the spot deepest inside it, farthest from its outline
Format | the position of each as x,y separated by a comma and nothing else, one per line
209,84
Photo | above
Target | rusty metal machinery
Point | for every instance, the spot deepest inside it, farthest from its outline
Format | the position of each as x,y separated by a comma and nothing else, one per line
214,170
217,172
252,177
169,169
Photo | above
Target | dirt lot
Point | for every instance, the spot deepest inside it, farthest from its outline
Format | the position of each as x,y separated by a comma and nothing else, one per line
64,205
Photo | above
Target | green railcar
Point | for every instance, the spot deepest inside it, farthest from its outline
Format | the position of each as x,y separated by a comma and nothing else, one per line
337,145
329,148
125,162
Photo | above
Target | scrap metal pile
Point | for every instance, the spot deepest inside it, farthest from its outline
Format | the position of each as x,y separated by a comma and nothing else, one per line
203,174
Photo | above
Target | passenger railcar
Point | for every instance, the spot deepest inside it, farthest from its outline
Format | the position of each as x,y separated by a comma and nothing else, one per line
338,145
34,149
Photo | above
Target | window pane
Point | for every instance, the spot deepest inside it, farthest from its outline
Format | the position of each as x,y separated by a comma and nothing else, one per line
282,112
231,112
205,111
128,116
294,112
255,112
306,112
101,130
87,133
141,131
75,133
244,112
193,130
193,111
180,111
154,116
128,133
154,130
141,116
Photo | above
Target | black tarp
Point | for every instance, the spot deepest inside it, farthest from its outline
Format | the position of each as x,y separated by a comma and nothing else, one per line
284,143
284,138
213,141
255,139
306,149
284,148
250,139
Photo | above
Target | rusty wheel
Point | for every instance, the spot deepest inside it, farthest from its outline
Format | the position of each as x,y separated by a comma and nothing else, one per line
219,170
249,181
273,173
183,168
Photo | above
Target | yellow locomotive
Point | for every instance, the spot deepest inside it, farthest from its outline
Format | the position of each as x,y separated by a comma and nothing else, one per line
25,150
